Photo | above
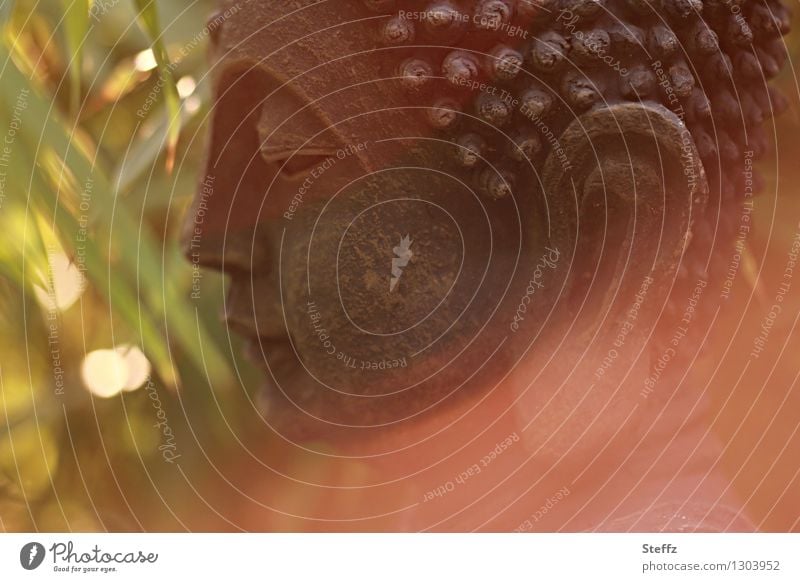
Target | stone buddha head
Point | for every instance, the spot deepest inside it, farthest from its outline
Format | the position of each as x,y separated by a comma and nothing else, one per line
426,206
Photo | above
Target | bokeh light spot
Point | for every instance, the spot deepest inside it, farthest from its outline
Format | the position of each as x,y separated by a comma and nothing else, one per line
65,284
137,364
145,61
104,373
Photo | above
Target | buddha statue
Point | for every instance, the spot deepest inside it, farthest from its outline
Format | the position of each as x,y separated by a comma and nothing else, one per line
457,222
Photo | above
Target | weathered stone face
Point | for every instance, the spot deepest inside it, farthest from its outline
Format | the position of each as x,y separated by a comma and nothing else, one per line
411,197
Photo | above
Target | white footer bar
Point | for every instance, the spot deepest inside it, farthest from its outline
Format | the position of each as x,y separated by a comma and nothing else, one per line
401,557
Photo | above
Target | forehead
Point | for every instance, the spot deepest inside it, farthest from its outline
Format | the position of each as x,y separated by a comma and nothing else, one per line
313,27
320,66
294,37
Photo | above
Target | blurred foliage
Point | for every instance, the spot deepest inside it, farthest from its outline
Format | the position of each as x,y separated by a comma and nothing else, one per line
95,165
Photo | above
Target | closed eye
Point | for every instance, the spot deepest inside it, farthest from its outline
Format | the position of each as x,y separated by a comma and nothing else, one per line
300,164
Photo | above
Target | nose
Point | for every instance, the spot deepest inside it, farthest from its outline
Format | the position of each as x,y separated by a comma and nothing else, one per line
249,256
237,250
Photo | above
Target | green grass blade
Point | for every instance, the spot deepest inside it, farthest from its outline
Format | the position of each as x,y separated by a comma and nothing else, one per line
148,20
76,25
6,6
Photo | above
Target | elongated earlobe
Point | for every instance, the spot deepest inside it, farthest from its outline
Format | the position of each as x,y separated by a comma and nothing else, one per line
626,205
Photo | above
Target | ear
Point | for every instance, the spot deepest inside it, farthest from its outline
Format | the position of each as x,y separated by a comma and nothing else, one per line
623,197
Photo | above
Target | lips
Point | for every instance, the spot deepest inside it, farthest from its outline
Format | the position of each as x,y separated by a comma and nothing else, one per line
272,355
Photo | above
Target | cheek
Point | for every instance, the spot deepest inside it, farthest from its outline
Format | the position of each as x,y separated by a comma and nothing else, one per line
385,292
